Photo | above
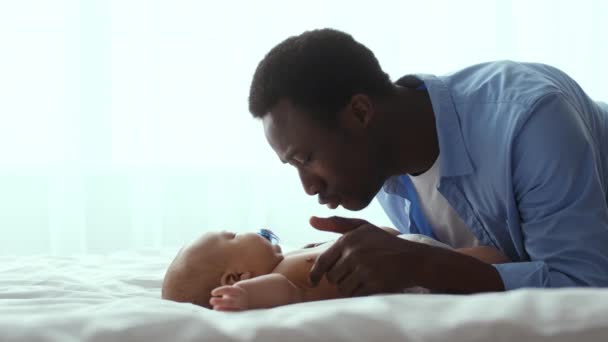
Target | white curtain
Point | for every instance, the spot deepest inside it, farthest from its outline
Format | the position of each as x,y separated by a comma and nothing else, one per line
124,124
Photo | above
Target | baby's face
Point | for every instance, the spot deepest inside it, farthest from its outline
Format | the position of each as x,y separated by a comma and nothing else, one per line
248,251
215,258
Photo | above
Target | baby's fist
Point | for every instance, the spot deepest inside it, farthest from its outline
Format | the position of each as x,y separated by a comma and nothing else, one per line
229,298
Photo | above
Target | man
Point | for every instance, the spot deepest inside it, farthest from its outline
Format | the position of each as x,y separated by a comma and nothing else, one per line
507,155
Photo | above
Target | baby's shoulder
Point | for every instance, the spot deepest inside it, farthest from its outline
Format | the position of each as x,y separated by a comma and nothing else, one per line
296,266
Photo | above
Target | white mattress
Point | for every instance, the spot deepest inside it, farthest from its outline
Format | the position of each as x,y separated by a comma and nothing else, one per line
116,298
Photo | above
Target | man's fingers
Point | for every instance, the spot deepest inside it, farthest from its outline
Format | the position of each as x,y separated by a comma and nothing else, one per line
336,224
362,291
340,270
324,263
349,284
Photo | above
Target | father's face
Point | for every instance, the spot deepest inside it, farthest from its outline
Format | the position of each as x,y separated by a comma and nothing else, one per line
339,167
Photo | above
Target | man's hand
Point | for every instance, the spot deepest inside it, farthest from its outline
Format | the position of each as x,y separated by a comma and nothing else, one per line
365,259
368,260
229,298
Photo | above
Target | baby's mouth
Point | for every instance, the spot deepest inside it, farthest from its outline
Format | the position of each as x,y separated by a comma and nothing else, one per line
277,248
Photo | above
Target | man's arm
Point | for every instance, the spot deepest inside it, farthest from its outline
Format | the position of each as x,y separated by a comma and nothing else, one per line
391,231
559,188
561,200
457,273
265,291
366,260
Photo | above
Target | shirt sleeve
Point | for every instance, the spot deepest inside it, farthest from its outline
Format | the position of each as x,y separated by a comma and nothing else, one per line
396,208
561,198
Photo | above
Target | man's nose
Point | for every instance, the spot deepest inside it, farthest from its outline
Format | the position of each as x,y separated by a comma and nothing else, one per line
310,183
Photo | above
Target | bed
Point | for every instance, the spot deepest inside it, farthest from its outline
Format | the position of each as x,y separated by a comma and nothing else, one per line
115,297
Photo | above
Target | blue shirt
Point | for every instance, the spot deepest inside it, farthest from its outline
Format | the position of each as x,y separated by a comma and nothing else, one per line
524,163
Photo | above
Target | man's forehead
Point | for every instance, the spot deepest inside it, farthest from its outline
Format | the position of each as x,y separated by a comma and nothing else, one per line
281,114
280,126
278,139
272,130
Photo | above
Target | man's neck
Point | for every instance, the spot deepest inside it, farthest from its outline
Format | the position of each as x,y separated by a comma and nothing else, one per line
410,133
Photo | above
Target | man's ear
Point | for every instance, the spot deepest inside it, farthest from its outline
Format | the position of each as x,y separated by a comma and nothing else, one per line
231,277
358,112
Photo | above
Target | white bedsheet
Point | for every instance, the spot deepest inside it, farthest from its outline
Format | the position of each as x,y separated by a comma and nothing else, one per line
116,298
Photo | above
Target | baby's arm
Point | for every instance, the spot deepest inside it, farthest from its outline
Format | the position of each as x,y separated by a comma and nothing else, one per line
265,291
486,254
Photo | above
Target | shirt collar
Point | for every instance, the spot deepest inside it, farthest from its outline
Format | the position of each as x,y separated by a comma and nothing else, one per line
391,185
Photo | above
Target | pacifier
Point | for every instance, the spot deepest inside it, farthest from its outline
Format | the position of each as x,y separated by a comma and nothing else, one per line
269,235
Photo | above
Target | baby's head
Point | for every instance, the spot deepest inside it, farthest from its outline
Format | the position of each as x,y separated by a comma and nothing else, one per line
216,259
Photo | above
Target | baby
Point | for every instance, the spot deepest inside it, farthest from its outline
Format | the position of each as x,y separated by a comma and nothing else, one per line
230,272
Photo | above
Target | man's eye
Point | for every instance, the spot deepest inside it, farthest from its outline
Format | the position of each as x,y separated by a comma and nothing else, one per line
303,160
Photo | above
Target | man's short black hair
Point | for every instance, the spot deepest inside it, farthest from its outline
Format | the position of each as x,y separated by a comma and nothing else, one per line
318,71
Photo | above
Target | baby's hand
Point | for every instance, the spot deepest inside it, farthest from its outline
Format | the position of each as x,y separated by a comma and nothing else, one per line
229,298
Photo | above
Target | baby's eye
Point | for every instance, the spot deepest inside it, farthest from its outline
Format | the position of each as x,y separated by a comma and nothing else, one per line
269,235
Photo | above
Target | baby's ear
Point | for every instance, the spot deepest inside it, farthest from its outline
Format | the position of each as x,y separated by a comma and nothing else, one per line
230,277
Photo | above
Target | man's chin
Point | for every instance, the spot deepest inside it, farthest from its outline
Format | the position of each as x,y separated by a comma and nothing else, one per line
354,205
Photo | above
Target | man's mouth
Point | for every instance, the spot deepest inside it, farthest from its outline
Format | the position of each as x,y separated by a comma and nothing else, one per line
333,205
329,202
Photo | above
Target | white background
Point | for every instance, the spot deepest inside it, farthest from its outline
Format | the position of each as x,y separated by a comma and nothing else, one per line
124,124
